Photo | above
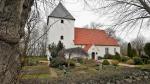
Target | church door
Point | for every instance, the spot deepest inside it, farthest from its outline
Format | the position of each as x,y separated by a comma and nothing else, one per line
93,55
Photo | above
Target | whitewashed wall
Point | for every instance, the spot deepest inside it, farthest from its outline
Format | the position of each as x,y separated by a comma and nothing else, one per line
58,29
100,50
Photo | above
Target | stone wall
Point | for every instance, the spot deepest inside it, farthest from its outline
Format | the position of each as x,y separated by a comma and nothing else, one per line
131,76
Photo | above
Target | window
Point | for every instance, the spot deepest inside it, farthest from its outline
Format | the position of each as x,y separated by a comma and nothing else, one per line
62,21
115,50
106,51
96,53
61,37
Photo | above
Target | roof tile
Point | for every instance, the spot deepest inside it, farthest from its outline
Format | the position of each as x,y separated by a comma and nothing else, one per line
84,36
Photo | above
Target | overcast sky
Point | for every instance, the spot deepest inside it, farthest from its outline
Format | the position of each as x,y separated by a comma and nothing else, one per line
84,17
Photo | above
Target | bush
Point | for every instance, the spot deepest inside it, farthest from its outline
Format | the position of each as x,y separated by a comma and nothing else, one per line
147,49
78,60
148,62
105,62
108,56
145,59
117,56
58,62
137,60
72,63
99,57
130,61
124,58
115,62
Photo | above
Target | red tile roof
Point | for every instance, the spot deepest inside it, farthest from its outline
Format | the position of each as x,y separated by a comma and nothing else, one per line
84,36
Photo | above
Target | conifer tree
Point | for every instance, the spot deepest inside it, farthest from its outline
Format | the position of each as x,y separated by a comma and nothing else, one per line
130,50
147,49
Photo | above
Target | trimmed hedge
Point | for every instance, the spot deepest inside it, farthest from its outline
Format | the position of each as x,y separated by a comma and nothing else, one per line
115,62
130,61
124,58
108,56
105,62
117,56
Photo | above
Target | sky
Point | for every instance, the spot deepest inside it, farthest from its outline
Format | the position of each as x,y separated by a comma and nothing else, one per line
84,17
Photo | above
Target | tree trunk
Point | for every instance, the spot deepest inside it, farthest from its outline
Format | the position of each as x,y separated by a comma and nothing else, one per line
13,16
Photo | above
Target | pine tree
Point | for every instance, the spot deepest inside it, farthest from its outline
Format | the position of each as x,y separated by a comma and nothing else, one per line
54,49
130,50
60,46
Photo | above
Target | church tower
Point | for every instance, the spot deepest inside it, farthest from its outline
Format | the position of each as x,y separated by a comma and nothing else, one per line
61,24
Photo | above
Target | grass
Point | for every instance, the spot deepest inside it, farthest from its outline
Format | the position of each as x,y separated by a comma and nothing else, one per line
146,66
38,67
87,70
38,57
32,76
36,71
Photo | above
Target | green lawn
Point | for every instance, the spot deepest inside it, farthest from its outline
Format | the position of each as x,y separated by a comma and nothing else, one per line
146,66
41,76
37,58
42,71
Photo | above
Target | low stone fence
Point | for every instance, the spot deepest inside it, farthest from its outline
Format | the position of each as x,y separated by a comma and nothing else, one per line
126,76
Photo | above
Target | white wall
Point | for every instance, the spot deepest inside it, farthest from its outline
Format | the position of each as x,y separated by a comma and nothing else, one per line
101,50
56,30
74,55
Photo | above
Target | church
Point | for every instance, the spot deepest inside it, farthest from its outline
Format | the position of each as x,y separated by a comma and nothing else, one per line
95,42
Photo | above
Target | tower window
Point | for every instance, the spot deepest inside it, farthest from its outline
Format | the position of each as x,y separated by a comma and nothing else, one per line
61,37
62,21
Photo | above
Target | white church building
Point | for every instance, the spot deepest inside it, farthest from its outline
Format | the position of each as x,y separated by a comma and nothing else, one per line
95,42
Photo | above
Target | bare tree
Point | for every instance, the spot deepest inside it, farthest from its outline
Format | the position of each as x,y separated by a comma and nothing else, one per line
138,44
127,15
29,28
44,41
123,48
36,46
111,32
94,25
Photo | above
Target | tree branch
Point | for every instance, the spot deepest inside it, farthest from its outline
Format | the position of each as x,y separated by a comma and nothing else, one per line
146,7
